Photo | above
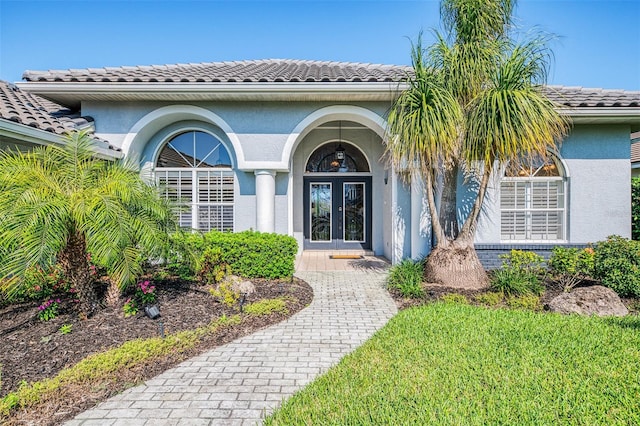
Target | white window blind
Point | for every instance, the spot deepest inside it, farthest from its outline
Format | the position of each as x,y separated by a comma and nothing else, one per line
533,205
204,198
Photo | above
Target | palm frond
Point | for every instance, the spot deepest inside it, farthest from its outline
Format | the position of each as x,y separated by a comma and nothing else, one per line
55,192
424,121
512,117
470,21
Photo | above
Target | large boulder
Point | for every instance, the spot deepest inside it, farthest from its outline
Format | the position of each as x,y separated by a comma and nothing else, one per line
594,300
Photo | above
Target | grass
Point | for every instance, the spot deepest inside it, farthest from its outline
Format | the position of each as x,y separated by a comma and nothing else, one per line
449,363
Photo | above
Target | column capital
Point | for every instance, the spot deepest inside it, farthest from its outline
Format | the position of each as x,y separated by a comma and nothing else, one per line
263,172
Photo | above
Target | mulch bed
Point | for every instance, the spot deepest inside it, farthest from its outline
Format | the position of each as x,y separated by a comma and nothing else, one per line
434,292
33,350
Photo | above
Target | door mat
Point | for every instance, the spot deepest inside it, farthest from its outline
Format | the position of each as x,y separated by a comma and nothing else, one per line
346,256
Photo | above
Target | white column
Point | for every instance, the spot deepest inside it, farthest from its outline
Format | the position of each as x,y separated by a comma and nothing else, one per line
265,200
420,220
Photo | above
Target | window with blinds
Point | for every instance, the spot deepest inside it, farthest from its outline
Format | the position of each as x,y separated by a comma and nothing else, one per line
532,204
194,171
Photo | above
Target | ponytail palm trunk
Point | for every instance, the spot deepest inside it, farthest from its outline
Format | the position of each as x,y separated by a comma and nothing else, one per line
62,204
474,104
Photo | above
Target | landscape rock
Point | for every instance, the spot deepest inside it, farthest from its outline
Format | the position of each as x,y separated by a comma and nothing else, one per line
594,300
239,285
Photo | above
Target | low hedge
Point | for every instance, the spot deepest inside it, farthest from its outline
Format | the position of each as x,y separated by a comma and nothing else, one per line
250,254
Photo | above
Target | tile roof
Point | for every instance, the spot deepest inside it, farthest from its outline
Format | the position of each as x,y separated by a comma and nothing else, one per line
294,71
582,97
260,71
31,110
34,111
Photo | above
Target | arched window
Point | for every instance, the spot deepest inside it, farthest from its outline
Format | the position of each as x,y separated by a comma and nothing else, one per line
533,202
194,170
336,157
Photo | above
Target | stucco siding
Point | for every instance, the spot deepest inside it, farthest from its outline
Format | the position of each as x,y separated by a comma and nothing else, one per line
245,213
402,231
488,230
597,159
599,199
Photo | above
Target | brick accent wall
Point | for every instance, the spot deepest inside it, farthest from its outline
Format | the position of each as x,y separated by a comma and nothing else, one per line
488,253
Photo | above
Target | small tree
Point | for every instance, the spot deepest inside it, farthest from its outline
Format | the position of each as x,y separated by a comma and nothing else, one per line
474,103
62,204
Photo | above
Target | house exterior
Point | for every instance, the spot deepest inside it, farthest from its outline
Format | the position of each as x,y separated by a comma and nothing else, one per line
296,147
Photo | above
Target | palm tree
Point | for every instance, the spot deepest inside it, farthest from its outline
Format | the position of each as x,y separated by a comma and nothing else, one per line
62,204
500,116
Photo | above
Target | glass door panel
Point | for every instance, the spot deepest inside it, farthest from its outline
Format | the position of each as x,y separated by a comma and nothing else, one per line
320,209
354,212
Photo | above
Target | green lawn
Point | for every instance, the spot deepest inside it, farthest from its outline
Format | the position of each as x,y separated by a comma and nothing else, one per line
459,364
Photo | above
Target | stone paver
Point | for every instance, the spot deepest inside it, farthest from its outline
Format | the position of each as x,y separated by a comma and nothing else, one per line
239,383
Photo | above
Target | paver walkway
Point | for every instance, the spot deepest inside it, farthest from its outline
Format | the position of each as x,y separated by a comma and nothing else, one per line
238,383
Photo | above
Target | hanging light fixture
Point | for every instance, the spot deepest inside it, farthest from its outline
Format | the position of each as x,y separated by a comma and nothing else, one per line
339,155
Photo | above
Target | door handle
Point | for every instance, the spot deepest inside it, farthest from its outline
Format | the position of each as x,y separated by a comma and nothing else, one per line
340,208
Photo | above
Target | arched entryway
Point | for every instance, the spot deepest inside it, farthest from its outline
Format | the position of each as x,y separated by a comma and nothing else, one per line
337,194
316,139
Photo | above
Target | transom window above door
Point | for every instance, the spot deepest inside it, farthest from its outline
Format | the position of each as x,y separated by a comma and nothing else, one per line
194,171
337,157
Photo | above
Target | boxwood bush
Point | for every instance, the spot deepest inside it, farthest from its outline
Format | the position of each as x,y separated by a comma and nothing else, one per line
617,265
249,254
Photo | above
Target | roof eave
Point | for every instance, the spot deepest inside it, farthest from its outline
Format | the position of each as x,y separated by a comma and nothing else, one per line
66,92
72,93
604,115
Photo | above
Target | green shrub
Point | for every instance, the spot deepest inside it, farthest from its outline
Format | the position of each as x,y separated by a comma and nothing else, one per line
524,260
225,294
406,276
529,302
490,299
267,306
130,308
635,208
37,284
516,282
617,265
184,252
455,298
521,273
570,266
250,254
212,269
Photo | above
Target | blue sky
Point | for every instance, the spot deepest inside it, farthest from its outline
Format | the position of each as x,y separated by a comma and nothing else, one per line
597,44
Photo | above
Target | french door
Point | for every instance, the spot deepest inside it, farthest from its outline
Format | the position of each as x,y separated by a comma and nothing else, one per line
337,212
